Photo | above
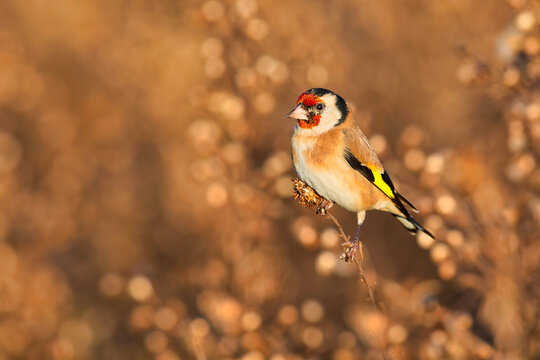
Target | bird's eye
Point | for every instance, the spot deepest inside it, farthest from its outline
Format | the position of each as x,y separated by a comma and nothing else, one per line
319,106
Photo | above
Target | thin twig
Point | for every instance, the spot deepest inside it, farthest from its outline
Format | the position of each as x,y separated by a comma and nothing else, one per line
340,228
309,198
364,280
357,262
360,273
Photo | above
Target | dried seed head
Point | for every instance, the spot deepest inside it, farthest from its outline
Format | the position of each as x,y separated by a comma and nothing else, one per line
305,195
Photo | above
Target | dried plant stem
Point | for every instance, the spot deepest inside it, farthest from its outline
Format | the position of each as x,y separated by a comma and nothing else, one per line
338,225
309,198
357,262
364,280
360,272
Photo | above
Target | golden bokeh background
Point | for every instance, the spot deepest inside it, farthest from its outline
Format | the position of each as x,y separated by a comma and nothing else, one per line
145,193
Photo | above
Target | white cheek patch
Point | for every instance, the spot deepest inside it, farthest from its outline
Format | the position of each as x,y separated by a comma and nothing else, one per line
330,117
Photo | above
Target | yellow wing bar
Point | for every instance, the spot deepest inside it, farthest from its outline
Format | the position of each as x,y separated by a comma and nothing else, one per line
379,182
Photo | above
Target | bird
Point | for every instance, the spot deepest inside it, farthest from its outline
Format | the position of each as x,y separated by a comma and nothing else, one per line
333,156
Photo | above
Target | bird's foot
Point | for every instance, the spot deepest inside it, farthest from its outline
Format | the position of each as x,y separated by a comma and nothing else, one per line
351,249
324,206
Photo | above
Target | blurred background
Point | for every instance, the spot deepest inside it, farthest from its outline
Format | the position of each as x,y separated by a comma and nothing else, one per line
145,193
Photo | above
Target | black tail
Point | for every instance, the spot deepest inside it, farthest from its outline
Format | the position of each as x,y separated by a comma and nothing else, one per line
411,224
405,218
407,202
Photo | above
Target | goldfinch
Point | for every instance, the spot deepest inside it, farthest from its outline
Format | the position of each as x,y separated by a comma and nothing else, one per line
333,156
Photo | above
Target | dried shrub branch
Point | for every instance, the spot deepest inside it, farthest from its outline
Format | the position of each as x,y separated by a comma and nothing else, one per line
309,198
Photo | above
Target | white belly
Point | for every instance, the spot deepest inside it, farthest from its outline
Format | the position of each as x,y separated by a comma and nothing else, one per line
328,183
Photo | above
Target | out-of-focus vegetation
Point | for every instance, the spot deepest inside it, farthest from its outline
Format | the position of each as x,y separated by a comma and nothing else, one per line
145,194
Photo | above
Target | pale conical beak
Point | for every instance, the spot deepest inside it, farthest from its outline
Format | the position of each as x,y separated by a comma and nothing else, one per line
298,113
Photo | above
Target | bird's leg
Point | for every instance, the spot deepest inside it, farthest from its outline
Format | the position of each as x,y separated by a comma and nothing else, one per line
324,206
352,247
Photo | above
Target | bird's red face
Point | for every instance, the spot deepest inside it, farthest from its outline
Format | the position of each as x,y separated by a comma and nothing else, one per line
318,110
308,99
307,111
